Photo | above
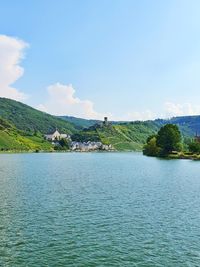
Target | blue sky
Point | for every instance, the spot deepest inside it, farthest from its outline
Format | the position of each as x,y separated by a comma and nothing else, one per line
123,58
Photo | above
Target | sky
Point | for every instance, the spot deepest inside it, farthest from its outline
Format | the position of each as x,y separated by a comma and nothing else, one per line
125,59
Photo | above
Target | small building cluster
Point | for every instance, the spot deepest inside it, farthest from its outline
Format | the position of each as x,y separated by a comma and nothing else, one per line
89,146
56,137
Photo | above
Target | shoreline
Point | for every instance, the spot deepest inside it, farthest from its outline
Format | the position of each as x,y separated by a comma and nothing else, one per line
185,156
68,151
180,155
169,157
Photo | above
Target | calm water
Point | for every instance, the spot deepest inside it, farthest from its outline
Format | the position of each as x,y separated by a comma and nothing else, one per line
98,209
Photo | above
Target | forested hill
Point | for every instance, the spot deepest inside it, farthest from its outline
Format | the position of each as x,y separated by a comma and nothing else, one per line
28,119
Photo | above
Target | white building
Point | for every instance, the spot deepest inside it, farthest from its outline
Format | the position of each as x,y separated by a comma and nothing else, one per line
56,136
89,146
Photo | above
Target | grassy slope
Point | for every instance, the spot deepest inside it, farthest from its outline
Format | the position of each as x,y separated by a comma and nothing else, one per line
29,119
127,136
14,140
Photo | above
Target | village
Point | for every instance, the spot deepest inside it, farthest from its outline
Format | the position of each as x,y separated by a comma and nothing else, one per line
56,137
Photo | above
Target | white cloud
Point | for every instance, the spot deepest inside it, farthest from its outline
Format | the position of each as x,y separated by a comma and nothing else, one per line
174,109
61,100
169,110
11,53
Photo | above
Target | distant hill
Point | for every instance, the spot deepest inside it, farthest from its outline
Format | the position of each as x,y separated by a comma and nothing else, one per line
126,136
79,123
28,119
189,125
132,135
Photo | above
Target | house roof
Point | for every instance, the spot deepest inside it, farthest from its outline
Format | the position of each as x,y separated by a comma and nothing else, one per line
52,133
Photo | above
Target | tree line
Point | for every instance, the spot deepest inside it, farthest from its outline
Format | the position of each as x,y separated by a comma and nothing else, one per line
168,140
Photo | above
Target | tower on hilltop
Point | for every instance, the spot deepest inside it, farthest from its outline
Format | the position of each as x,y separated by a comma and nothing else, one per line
105,122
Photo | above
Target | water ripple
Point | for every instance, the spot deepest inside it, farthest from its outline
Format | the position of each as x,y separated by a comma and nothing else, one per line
98,209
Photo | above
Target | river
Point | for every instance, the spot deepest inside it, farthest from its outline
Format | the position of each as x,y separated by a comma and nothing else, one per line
98,209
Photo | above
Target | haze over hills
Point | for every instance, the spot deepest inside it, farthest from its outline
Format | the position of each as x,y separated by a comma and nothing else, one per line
23,127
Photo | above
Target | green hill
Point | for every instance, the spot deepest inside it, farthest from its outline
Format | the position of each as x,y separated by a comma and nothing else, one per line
11,139
189,125
29,120
125,136
133,135
22,128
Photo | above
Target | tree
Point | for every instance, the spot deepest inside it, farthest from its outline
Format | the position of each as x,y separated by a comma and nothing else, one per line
169,138
194,147
64,143
151,148
150,137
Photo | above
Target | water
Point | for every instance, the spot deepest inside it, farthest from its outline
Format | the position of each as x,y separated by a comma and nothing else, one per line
98,209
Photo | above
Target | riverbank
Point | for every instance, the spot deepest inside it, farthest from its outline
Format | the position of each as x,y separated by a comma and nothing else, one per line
174,155
184,155
178,155
58,151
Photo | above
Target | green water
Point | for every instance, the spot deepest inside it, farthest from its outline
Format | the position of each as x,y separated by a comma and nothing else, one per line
98,209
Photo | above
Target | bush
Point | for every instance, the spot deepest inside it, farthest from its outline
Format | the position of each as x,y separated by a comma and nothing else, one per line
194,147
151,148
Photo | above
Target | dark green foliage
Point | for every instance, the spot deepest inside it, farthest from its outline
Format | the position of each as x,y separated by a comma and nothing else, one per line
194,147
31,120
151,137
64,143
151,148
168,138
86,135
